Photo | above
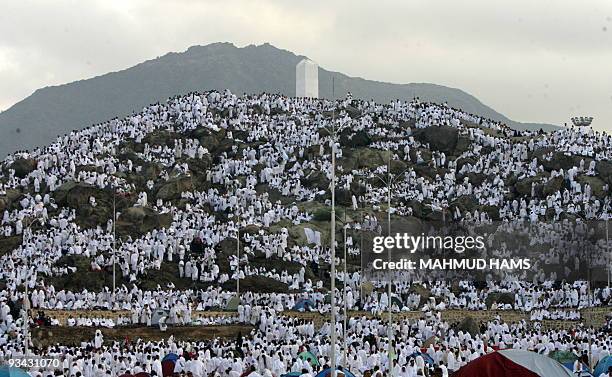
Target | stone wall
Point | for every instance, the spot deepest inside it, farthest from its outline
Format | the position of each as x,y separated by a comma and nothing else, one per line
592,317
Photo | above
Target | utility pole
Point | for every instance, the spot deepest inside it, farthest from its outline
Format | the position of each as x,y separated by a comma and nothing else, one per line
608,251
389,183
114,246
389,327
26,299
238,265
333,237
344,362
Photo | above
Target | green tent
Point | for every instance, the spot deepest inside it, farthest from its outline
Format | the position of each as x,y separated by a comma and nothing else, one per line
232,304
563,356
308,356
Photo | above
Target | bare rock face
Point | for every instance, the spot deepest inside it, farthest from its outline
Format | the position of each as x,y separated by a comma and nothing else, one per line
76,195
442,139
172,189
23,167
469,325
500,298
140,220
604,169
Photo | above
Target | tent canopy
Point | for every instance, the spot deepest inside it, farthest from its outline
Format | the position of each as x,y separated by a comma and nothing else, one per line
292,374
308,356
157,314
513,363
341,371
303,304
563,356
168,368
603,365
585,370
232,304
425,357
171,356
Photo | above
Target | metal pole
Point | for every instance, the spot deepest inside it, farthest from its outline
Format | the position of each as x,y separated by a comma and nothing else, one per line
361,298
114,246
238,266
590,355
333,239
608,252
26,299
389,329
344,364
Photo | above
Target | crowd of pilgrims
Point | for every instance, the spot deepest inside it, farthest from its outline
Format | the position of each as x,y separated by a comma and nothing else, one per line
280,142
273,347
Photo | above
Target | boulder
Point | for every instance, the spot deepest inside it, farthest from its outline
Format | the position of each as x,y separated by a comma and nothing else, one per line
463,145
8,244
523,187
172,189
421,291
258,284
604,170
500,298
465,161
559,160
353,112
465,204
23,167
151,170
316,179
140,220
76,195
476,179
200,166
161,137
469,325
443,138
596,183
553,185
354,140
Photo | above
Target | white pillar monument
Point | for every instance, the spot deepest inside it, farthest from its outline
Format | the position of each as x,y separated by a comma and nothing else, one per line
307,79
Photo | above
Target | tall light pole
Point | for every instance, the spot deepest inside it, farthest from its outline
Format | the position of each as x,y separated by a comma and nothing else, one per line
608,251
26,299
389,183
333,236
344,330
238,265
345,269
114,247
389,327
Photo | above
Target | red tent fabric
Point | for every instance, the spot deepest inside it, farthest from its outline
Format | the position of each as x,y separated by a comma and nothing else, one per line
493,365
167,368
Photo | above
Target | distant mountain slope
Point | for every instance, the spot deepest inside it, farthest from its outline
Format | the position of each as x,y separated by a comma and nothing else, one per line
53,111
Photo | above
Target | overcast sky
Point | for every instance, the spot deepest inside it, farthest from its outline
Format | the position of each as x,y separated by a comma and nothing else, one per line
532,60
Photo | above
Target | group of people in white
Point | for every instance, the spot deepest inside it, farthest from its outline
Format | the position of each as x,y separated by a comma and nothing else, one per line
257,194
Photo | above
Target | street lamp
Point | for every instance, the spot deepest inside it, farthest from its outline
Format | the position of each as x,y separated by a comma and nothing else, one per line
333,134
389,181
26,299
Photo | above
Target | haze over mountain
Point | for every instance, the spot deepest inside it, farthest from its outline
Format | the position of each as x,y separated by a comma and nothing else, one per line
48,112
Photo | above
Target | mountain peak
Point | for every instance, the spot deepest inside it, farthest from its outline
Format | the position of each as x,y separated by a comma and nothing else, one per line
57,110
